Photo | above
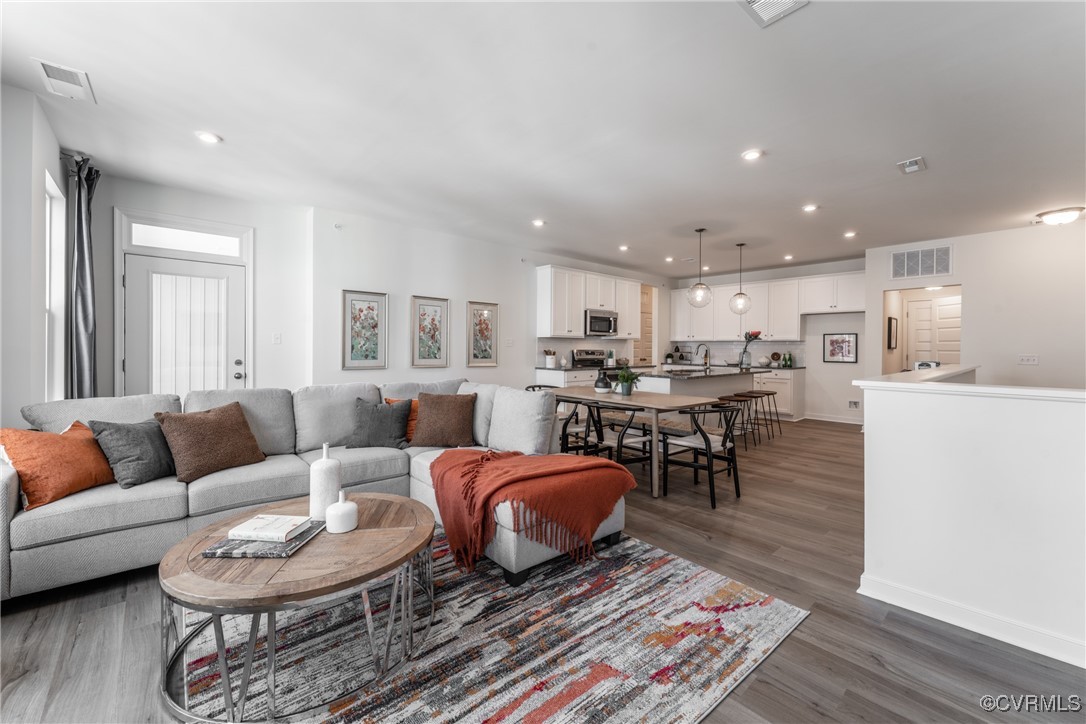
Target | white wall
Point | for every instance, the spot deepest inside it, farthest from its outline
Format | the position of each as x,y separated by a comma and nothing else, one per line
280,257
1023,292
829,384
29,149
893,359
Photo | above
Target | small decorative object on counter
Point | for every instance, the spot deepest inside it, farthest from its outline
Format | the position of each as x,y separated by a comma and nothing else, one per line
565,363
603,385
787,361
669,358
324,483
744,359
550,358
763,361
610,361
342,516
627,379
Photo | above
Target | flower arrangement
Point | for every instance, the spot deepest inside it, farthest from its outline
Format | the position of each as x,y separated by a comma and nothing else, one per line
744,359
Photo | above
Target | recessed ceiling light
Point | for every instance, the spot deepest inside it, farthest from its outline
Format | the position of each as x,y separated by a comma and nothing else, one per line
208,137
705,268
538,222
752,154
788,257
669,258
1062,216
624,248
932,289
850,234
810,207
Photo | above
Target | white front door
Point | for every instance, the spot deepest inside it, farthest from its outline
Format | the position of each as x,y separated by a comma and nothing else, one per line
184,326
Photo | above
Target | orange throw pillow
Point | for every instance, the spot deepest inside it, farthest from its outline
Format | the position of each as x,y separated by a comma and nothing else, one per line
412,419
52,466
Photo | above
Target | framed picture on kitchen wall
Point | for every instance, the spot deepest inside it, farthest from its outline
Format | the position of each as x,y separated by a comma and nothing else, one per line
891,333
429,332
839,347
365,330
482,334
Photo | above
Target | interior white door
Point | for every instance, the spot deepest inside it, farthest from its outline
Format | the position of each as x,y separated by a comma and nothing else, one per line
184,326
918,331
947,333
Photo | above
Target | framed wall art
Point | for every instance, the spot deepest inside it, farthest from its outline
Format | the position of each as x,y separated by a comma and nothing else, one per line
891,333
429,332
840,347
482,334
365,330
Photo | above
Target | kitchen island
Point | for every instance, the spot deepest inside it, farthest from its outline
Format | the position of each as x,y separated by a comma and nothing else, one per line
699,381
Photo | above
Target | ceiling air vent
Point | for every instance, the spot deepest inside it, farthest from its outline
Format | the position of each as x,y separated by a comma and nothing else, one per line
920,262
64,81
765,12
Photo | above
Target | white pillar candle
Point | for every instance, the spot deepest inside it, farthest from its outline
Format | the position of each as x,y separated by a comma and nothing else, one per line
342,516
324,484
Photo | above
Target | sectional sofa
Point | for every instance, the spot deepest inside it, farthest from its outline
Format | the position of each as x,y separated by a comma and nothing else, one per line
107,529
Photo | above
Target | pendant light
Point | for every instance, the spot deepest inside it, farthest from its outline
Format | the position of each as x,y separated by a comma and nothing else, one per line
740,303
699,295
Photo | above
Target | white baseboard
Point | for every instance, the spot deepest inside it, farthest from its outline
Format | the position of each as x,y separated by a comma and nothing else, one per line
837,418
1048,643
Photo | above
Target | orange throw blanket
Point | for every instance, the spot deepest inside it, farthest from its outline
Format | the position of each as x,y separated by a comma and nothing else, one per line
558,500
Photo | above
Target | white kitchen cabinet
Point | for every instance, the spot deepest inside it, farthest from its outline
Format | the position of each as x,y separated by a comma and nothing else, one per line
757,317
783,310
689,323
566,378
729,326
599,292
790,388
833,293
628,306
559,302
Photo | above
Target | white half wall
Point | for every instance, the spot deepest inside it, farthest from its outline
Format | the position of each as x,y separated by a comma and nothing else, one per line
1023,292
28,149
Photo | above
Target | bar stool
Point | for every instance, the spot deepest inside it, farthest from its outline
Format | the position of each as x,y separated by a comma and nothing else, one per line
761,410
771,397
744,425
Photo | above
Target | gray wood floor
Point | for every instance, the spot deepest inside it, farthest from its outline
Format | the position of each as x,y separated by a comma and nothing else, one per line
88,653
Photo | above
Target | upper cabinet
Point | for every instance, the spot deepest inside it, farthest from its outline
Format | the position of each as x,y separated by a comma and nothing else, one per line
599,292
688,323
834,293
783,310
727,325
628,306
560,302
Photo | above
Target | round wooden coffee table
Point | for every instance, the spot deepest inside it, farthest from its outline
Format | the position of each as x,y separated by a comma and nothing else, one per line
392,546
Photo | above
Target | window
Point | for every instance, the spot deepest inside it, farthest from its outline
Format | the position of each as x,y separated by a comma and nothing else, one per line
56,268
196,242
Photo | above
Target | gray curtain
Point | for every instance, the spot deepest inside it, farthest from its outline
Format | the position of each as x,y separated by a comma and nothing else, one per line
82,370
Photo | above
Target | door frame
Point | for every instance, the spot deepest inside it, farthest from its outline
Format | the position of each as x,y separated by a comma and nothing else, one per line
122,245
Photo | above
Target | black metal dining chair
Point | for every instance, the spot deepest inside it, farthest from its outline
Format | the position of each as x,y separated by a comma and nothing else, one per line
706,449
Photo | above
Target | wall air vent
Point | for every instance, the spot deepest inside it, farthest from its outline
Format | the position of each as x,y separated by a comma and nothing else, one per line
64,81
920,263
765,12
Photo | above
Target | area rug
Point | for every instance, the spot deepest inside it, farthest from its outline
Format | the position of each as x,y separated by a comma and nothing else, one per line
637,634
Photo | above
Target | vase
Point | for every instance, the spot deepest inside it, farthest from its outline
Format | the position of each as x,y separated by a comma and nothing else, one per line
602,383
343,515
744,360
551,361
324,484
625,388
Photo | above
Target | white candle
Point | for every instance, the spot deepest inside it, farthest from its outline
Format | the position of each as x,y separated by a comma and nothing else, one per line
324,484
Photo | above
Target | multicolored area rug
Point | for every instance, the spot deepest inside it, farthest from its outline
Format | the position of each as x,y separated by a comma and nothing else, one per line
636,635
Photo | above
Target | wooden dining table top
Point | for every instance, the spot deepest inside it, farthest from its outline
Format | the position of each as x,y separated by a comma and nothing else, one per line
659,401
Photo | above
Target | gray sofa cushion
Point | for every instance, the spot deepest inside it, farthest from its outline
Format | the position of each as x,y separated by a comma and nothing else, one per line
484,408
99,510
364,464
325,413
380,425
411,390
522,421
137,452
269,411
276,478
59,415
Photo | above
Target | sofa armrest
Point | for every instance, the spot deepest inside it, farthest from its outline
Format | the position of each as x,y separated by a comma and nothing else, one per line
9,503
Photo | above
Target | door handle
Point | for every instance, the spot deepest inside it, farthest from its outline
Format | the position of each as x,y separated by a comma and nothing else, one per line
239,375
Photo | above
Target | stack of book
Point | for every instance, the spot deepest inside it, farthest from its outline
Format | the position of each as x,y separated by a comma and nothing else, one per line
266,536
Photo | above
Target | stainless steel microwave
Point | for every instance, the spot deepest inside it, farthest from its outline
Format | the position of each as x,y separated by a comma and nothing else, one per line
600,323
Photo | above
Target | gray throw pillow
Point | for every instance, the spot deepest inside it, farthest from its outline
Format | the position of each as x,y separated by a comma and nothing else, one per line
380,425
137,452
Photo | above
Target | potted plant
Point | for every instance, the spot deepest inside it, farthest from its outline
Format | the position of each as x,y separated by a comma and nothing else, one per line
627,379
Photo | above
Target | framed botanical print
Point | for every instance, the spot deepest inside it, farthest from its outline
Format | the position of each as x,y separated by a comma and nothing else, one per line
429,332
365,330
482,334
840,347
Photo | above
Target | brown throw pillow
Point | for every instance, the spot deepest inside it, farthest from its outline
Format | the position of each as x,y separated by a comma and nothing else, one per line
444,420
209,441
54,465
412,419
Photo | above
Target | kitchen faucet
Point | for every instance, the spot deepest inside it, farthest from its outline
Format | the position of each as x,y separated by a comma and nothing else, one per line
706,358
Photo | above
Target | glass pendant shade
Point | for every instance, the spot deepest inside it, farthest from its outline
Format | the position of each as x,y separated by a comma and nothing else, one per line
739,303
699,295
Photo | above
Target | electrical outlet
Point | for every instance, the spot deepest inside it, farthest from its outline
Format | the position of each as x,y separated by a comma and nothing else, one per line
1028,359
854,404
277,338
509,342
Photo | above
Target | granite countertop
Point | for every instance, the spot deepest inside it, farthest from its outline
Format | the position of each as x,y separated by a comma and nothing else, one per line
700,372
735,366
593,369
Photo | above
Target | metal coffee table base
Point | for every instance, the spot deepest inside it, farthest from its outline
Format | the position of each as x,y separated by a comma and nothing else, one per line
416,576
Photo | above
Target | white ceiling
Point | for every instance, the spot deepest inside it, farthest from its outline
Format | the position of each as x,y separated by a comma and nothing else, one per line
618,123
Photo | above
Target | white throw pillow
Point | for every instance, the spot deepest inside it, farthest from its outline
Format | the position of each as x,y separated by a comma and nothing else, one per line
484,408
521,421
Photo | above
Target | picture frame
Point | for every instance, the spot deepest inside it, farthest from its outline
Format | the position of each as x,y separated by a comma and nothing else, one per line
891,333
365,330
840,347
429,332
483,334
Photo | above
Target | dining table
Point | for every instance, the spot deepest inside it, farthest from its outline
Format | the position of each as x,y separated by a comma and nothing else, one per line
652,402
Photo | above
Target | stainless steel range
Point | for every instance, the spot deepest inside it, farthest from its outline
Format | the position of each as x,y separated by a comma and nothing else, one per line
589,358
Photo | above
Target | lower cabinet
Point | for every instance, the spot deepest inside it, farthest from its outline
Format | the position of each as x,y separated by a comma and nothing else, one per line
790,389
